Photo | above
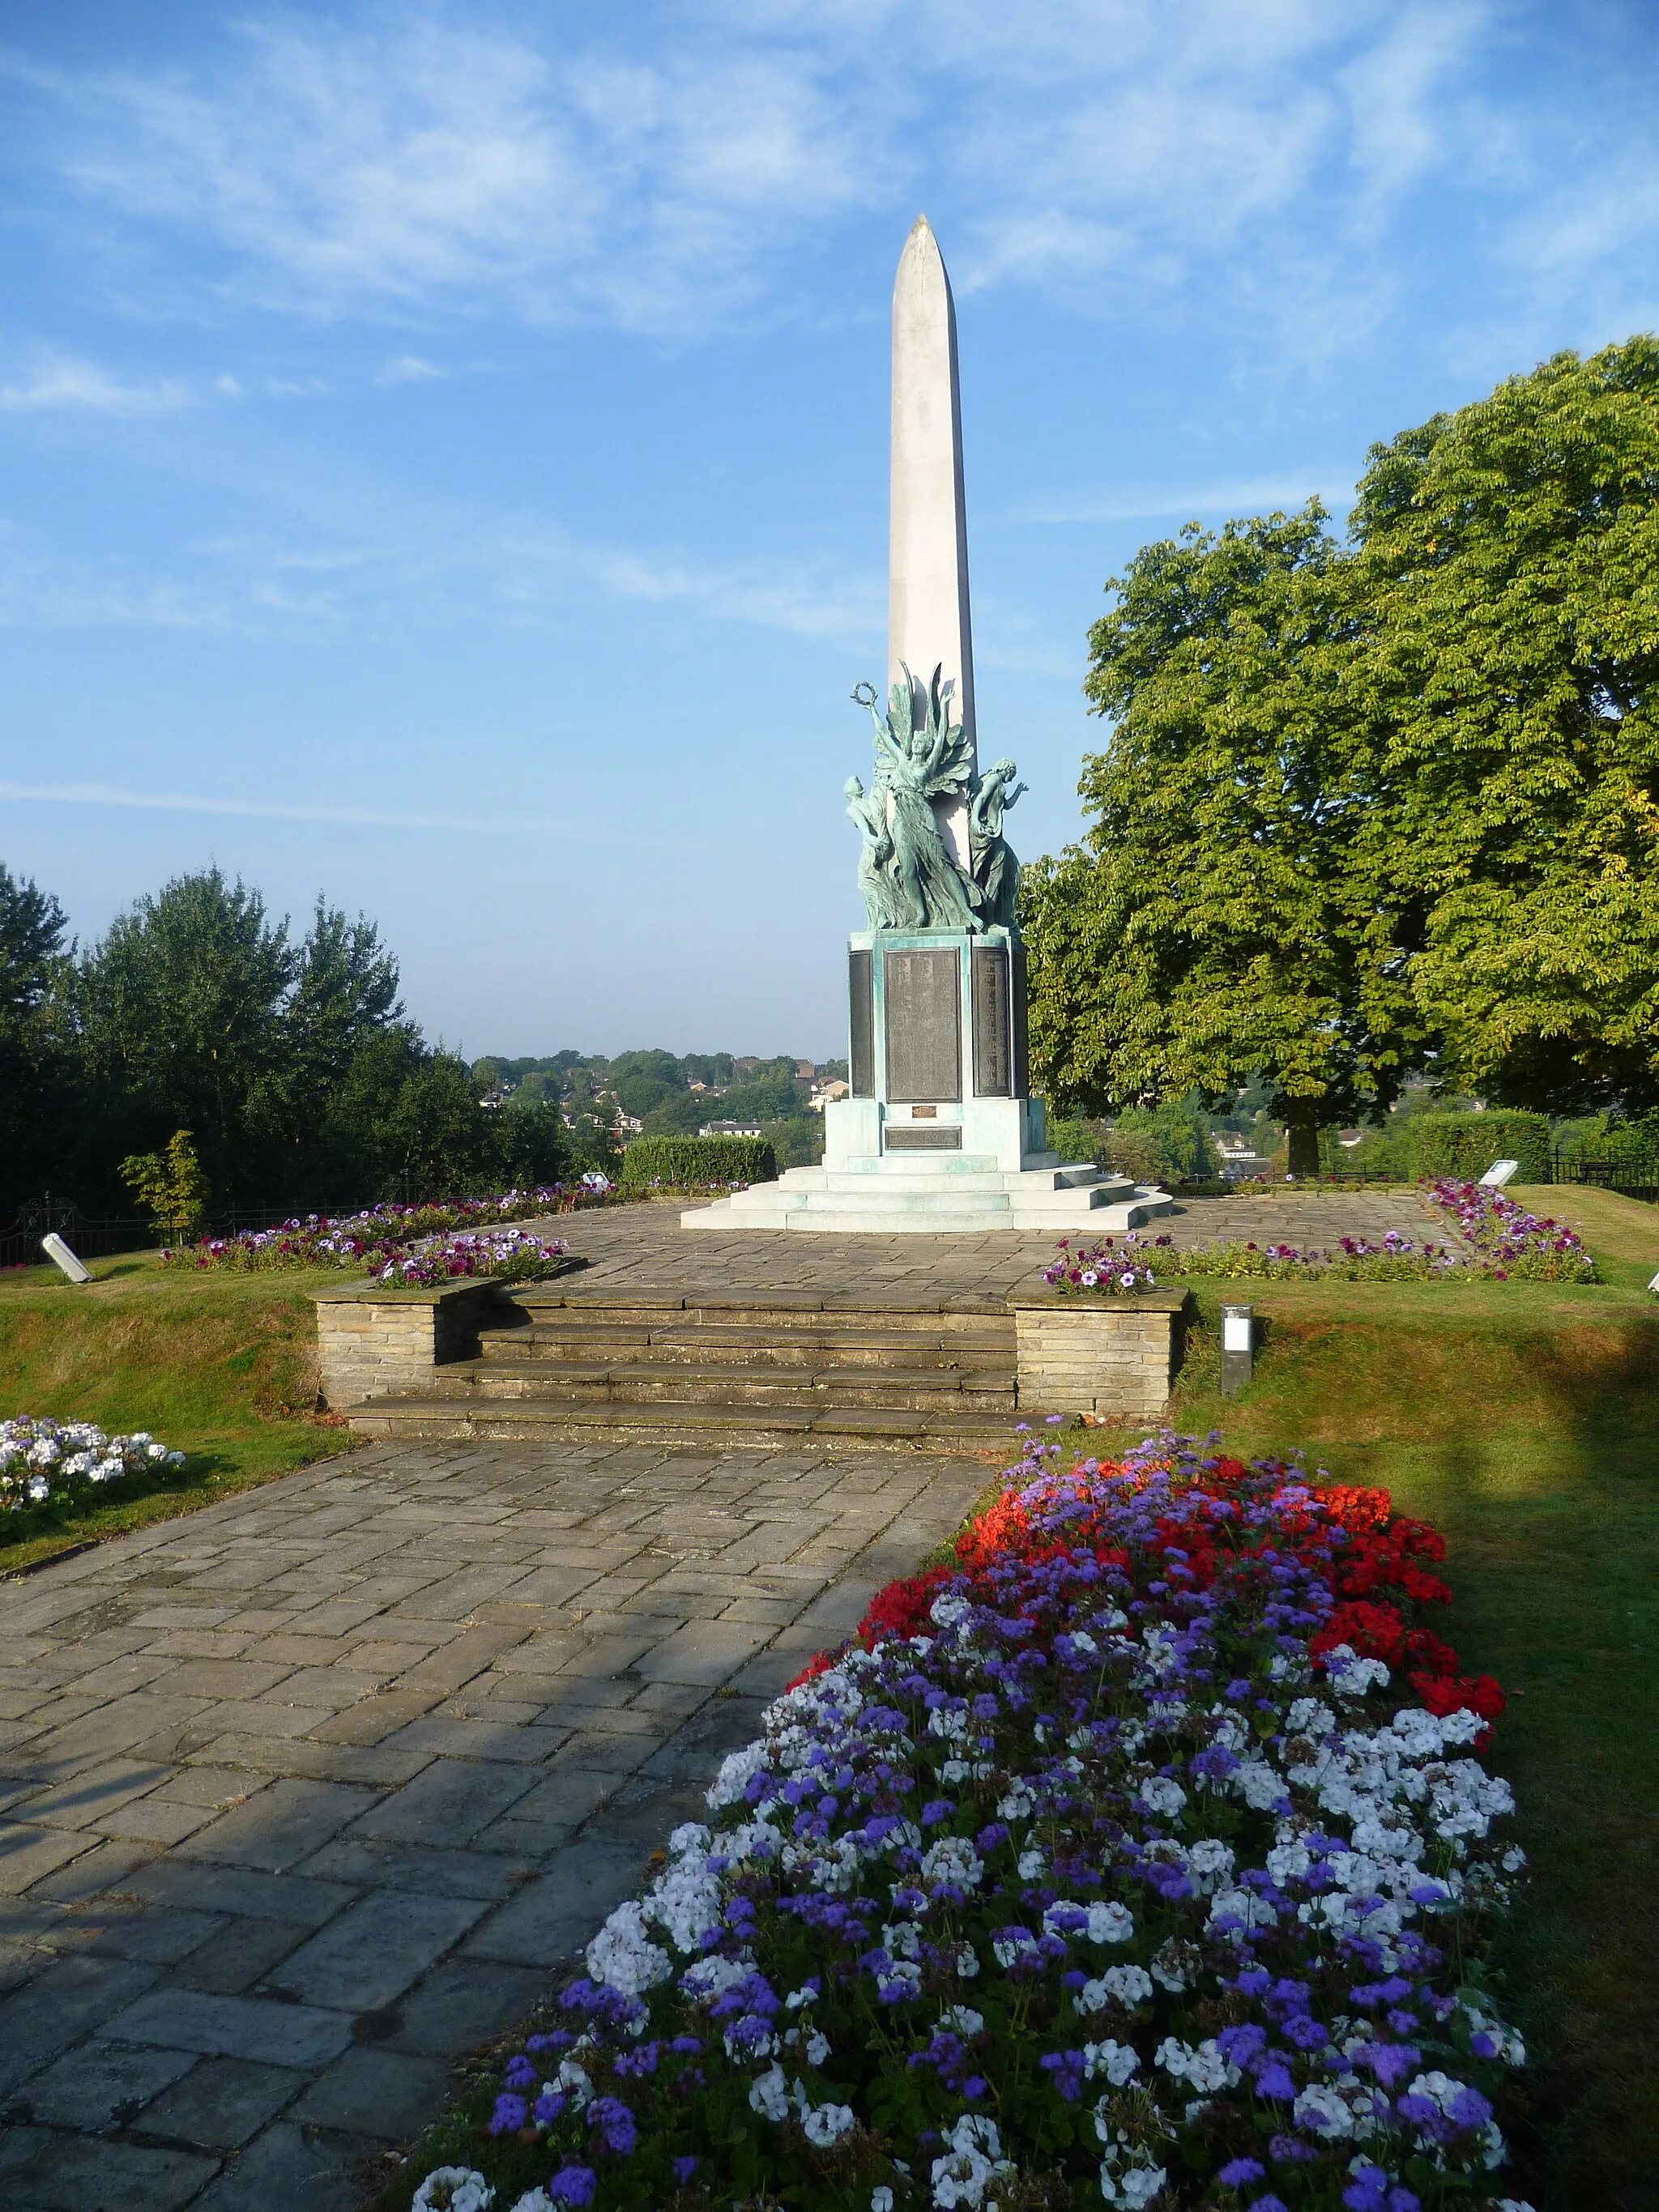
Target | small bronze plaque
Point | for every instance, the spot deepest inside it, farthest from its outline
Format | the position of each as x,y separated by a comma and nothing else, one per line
923,1113
943,1139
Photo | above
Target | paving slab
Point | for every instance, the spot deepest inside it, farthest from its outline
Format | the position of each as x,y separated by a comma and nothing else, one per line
305,1796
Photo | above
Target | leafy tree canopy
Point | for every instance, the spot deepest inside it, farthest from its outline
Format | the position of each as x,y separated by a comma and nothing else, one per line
1387,808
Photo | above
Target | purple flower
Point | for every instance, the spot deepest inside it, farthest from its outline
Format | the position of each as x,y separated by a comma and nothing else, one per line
684,2169
510,2114
573,2185
1238,2171
614,2123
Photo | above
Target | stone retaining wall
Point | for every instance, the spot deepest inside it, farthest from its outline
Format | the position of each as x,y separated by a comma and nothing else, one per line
371,1341
1098,1356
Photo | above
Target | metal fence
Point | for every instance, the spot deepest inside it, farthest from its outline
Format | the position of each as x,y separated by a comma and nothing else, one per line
1634,1174
92,1236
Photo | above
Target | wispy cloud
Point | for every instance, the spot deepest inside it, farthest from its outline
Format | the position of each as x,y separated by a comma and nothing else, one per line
510,824
1254,495
409,368
397,164
61,380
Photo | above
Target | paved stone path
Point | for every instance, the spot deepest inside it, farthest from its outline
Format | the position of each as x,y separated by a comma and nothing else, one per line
644,1243
303,1794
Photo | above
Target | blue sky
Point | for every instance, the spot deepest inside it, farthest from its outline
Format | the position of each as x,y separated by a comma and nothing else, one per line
443,450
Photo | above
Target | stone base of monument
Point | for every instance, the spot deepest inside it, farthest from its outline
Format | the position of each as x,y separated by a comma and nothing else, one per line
967,1193
939,1136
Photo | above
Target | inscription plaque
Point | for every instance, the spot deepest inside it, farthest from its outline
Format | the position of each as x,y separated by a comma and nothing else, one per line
901,1138
860,991
993,1044
1022,1039
923,997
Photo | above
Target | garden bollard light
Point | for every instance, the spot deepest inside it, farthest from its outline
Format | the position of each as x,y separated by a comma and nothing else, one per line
1237,1348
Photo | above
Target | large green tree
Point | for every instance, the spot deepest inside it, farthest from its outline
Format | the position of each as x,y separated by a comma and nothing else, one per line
1507,564
1211,929
34,1058
1384,808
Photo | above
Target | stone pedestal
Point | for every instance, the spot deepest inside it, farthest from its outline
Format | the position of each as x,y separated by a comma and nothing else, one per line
1110,1356
939,1134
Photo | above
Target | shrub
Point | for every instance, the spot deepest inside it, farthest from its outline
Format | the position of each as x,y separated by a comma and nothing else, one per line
1464,1145
171,1186
682,1163
1107,1869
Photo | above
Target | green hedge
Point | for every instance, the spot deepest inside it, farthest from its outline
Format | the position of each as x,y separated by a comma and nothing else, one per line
1467,1144
687,1162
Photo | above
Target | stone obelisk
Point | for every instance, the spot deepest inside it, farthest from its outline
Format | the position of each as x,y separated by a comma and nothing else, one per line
928,622
939,1134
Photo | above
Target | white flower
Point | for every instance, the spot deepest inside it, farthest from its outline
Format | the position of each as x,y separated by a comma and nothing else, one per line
770,2094
622,1955
1128,1986
818,2047
1160,1794
534,2200
1033,1863
1205,2068
974,2161
572,2080
827,2124
953,1859
1322,2112
961,2020
881,2198
1116,2061
454,2189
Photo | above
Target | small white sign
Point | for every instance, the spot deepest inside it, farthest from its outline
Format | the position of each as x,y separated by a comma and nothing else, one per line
1234,1329
1499,1173
59,1254
1654,1286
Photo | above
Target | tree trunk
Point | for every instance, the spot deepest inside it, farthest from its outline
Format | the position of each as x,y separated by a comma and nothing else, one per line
1304,1138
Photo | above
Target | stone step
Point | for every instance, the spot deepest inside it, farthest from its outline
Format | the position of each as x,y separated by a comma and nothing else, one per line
935,1390
968,1314
991,1435
715,1344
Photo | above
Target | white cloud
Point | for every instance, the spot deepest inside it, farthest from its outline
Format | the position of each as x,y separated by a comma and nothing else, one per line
1245,497
175,802
62,380
393,167
409,368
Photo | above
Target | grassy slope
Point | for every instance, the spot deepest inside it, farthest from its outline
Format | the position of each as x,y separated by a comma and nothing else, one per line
221,1366
1522,1420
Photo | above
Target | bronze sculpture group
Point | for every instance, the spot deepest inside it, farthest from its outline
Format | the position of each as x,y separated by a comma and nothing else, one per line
908,875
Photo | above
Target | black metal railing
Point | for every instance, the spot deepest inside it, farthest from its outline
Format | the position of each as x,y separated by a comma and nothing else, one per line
1634,1174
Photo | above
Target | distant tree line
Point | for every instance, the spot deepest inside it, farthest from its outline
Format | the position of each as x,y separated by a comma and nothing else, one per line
289,1059
1386,811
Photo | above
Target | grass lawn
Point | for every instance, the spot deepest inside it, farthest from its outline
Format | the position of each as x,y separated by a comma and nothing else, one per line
1524,1420
221,1366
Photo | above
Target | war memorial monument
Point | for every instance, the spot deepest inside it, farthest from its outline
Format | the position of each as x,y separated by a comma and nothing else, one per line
940,1133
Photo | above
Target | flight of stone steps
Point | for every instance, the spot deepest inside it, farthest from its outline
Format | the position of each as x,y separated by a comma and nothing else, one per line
773,1368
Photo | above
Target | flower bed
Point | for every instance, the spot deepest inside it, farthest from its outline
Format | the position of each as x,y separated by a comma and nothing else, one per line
381,1232
1511,1241
45,1462
1102,1868
512,1255
1505,1243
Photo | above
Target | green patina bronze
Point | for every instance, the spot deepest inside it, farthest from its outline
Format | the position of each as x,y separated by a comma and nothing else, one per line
908,876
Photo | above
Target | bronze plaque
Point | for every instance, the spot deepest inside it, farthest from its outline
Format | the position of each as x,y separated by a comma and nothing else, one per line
861,991
901,1138
993,1039
922,992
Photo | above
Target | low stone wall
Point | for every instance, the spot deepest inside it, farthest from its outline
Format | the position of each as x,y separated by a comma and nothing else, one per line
1097,1355
371,1341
